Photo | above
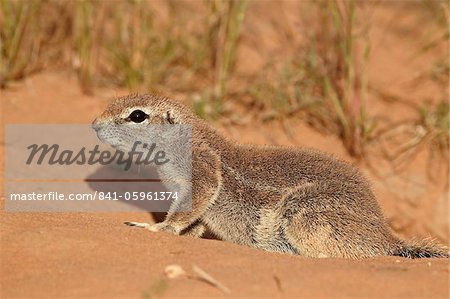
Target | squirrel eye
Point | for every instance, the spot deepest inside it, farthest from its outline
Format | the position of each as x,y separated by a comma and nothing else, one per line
137,116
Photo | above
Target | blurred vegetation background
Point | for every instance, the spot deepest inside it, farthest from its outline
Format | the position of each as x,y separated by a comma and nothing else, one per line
309,61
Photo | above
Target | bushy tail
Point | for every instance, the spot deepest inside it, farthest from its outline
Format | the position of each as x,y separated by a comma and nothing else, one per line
423,249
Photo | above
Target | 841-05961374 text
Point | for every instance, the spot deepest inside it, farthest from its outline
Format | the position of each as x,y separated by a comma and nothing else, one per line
161,195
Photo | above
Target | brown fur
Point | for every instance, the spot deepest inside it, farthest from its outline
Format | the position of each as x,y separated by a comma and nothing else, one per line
280,199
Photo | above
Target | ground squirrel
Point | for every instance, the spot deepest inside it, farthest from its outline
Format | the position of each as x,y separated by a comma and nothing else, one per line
279,199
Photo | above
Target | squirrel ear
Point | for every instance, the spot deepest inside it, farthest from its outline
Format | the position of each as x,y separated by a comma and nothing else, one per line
169,117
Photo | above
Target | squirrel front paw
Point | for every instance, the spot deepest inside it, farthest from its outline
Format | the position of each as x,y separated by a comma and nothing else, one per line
162,227
158,227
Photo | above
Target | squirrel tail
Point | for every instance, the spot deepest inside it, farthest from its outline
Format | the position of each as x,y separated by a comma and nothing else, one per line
423,249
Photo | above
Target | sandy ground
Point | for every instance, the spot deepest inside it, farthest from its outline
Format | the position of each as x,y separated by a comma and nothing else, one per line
95,255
